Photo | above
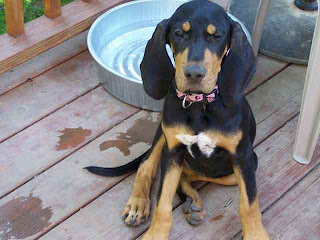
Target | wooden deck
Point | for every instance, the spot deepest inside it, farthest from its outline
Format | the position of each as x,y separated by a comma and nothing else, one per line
55,119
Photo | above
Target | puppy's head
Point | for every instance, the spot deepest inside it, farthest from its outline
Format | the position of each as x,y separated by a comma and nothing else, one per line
200,34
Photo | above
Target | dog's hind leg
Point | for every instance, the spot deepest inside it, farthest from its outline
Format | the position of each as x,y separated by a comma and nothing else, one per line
193,206
137,209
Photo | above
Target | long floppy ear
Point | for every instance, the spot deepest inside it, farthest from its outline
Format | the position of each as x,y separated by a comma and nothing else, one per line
156,67
238,67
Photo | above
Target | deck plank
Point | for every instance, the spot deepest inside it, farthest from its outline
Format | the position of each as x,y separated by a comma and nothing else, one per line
37,98
77,186
101,219
57,136
296,215
266,68
100,224
43,62
278,100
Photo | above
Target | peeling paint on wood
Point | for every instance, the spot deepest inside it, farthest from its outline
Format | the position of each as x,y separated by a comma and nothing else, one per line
77,186
72,137
34,149
23,217
139,132
25,105
216,218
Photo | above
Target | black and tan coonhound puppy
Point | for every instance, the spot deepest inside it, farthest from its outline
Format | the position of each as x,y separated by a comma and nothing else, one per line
207,129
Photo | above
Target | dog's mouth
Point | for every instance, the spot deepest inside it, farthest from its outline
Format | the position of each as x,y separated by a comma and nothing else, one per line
206,86
200,88
189,92
195,90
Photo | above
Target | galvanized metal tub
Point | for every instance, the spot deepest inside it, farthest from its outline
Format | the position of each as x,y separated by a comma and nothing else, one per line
117,40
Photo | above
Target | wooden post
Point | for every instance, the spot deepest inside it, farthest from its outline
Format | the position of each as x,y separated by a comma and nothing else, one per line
14,17
52,8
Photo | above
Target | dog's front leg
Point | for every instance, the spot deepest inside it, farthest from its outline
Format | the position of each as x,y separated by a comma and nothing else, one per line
137,209
171,170
250,215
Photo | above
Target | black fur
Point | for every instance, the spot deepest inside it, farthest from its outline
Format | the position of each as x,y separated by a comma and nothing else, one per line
229,113
118,171
156,71
238,68
129,167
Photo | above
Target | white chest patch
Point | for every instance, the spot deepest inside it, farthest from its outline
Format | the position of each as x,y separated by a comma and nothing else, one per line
205,144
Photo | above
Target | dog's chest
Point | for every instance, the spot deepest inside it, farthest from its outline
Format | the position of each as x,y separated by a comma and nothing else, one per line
207,143
203,142
210,153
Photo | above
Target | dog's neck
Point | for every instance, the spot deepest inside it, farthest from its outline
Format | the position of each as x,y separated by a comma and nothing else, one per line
188,99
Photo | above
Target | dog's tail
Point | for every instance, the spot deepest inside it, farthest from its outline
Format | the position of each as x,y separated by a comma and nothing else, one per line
118,171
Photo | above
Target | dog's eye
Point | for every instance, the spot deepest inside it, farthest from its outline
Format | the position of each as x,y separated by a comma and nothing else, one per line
215,36
178,33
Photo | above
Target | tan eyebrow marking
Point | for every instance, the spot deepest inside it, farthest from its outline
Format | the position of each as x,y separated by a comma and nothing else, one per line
211,29
186,26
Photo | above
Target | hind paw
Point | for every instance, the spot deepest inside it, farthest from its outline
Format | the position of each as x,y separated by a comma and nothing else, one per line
193,213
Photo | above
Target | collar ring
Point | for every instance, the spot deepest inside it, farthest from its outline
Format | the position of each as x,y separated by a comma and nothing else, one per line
184,102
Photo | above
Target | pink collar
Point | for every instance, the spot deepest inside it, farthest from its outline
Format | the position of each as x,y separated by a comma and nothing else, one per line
191,98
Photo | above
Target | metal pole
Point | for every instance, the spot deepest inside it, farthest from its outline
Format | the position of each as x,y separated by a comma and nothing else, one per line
309,119
259,25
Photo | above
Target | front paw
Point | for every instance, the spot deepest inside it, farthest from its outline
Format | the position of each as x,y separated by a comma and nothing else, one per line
136,211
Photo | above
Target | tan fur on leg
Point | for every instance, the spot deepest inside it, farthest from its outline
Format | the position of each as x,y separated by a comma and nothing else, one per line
193,207
190,191
193,176
250,215
162,218
137,209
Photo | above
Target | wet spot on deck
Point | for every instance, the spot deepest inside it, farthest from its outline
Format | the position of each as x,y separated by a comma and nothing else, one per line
23,217
216,218
143,130
72,137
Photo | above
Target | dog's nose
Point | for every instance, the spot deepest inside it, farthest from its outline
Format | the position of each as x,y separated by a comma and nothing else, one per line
195,72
